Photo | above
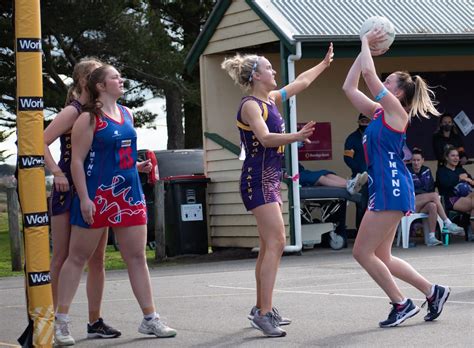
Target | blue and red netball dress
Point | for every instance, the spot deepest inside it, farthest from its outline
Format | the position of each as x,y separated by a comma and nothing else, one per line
61,201
112,178
261,170
390,182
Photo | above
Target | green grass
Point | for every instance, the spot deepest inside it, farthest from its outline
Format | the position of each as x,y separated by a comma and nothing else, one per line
5,258
113,259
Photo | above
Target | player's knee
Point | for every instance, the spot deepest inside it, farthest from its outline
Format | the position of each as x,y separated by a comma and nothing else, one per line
97,262
432,208
135,259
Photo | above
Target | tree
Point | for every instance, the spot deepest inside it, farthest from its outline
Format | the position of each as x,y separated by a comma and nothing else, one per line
146,40
7,65
186,19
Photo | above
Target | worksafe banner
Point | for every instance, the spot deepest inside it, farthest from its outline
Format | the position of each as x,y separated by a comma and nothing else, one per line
31,180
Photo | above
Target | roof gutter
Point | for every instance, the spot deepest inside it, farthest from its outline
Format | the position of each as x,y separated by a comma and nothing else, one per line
399,37
295,185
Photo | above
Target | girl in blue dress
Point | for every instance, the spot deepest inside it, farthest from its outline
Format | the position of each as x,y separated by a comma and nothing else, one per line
109,194
391,192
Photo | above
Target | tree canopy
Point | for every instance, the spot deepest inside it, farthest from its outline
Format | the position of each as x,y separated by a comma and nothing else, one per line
146,40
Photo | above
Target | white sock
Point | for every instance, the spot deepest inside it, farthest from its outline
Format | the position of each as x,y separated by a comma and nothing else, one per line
431,292
62,316
447,221
432,235
151,316
402,302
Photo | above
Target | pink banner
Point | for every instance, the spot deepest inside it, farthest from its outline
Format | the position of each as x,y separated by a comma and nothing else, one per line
320,147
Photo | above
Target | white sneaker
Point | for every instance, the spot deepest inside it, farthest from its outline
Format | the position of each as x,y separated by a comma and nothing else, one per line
156,327
432,241
62,335
455,229
354,185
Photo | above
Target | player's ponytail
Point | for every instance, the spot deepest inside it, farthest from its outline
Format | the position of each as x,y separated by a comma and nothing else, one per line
82,70
417,98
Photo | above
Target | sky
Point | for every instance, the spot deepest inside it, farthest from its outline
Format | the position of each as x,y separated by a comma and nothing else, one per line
151,139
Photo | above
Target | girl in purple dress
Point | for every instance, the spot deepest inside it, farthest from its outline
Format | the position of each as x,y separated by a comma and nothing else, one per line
263,139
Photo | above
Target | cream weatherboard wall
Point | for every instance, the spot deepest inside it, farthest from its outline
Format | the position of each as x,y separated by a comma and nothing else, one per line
239,27
230,225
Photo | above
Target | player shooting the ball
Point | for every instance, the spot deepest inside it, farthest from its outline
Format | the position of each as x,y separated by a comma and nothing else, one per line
391,192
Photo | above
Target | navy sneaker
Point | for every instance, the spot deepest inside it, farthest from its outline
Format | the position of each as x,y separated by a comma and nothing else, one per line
101,330
436,302
400,313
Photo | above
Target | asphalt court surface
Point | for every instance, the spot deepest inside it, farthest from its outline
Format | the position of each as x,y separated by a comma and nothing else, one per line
332,301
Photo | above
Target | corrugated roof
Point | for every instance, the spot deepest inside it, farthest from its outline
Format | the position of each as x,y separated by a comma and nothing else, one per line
310,20
416,21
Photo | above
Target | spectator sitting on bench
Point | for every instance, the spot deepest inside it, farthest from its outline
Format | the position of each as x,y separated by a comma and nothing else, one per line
448,134
327,178
426,200
455,184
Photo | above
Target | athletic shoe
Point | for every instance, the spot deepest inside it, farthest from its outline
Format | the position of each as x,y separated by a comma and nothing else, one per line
354,185
156,327
281,320
101,330
436,302
455,229
62,335
400,313
252,313
432,241
268,324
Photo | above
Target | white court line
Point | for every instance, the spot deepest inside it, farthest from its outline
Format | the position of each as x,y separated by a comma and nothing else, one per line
312,265
363,282
327,294
3,344
133,299
361,272
252,292
282,279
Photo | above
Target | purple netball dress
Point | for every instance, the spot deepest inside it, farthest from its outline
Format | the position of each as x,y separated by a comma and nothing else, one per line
61,201
261,170
390,182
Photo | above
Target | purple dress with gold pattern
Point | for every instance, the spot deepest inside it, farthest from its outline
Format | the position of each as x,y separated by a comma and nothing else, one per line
261,171
61,201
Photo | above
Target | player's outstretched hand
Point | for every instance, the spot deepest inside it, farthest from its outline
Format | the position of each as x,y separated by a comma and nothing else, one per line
305,132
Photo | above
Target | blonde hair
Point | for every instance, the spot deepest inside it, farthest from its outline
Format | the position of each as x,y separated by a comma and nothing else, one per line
241,69
81,70
418,98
